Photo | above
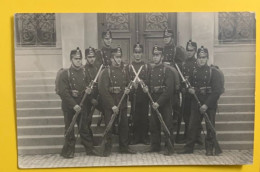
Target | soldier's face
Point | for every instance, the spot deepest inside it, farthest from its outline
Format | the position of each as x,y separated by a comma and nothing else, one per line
91,59
138,55
191,53
167,40
116,61
202,60
157,58
107,41
76,61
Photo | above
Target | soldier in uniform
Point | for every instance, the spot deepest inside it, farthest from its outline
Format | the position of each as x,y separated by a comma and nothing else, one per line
112,85
174,54
188,67
93,101
103,56
161,82
206,82
72,87
139,100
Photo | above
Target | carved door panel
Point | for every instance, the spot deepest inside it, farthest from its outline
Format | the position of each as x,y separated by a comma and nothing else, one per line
129,28
122,26
151,27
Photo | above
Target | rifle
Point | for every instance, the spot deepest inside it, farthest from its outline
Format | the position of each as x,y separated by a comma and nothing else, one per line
113,117
74,119
206,117
166,130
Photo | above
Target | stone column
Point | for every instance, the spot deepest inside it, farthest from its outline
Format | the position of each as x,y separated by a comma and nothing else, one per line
72,35
203,31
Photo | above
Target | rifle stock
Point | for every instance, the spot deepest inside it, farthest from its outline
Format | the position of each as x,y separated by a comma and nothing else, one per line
206,117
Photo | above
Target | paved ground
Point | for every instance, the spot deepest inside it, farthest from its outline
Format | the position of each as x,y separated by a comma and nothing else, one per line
228,157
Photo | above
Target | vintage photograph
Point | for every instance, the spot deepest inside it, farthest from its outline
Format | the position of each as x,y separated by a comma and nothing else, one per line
134,89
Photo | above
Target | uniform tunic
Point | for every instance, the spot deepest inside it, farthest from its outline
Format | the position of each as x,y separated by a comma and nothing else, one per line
75,83
161,81
208,88
112,83
103,56
139,104
187,70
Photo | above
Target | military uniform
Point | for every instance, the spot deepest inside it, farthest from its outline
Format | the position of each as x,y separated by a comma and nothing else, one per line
104,55
188,66
139,102
174,54
112,83
207,84
161,83
93,100
72,86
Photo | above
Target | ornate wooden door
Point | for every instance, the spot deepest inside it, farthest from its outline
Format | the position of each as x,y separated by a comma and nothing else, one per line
129,28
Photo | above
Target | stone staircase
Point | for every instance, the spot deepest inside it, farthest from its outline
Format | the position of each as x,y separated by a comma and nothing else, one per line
40,125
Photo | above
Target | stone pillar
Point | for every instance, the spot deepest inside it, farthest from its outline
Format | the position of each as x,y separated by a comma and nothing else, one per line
72,35
91,30
203,31
184,33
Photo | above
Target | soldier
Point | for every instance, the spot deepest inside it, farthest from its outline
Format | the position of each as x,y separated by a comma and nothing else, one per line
112,85
72,86
188,67
173,54
207,85
161,82
139,100
103,56
92,102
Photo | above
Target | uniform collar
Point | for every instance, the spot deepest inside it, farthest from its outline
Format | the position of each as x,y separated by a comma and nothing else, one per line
72,67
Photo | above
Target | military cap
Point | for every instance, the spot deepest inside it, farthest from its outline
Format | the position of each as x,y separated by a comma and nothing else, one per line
202,52
157,50
117,52
191,45
76,52
107,34
90,52
138,48
168,33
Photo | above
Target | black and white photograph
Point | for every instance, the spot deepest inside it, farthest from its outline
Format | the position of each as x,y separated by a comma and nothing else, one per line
134,89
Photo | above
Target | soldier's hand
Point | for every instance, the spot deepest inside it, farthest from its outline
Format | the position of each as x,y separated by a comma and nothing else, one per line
94,102
115,109
203,108
155,106
191,90
145,89
127,90
88,90
77,108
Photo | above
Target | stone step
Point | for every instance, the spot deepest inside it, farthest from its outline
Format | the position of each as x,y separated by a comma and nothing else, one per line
37,96
35,88
236,107
239,78
38,103
56,149
237,85
35,74
58,129
57,102
238,71
51,87
236,99
239,92
35,81
42,140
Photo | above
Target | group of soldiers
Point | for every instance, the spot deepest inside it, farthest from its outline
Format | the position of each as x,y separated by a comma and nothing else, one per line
158,88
